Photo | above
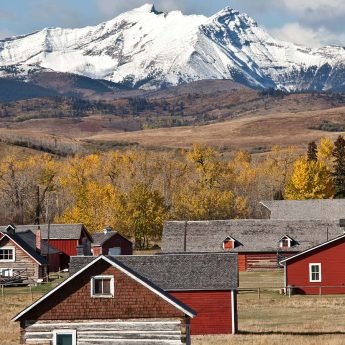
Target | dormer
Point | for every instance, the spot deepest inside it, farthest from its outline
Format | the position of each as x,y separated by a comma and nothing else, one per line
229,243
287,242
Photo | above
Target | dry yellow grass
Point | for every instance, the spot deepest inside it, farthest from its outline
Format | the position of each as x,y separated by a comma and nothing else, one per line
272,320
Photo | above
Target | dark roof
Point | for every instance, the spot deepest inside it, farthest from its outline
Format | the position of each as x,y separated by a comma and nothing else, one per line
253,235
213,271
99,238
27,248
322,209
114,262
57,231
30,238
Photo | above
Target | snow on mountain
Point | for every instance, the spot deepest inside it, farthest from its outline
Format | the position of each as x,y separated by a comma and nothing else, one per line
149,49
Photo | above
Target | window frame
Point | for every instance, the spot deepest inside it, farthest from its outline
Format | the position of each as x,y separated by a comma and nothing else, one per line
311,280
103,277
72,332
6,269
13,254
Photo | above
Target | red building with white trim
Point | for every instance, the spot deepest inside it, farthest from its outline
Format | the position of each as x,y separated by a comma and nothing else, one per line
207,283
318,270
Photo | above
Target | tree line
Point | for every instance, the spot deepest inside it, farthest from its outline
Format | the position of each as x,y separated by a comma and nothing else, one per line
135,191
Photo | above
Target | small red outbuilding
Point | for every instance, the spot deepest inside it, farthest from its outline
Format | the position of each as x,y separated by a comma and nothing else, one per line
318,270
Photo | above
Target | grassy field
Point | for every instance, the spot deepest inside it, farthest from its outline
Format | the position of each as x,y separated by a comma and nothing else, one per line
272,320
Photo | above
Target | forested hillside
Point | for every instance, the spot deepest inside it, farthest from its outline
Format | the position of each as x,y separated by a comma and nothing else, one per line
134,191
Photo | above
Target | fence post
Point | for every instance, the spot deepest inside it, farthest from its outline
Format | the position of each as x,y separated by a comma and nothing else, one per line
289,289
259,294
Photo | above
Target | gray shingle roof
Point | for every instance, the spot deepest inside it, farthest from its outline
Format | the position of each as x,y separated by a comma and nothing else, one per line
254,235
331,209
179,271
100,237
30,238
57,231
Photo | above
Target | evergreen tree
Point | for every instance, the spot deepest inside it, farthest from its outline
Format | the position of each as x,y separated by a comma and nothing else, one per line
339,167
312,151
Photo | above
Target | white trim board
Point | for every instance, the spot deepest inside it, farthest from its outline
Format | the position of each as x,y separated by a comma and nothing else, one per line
120,268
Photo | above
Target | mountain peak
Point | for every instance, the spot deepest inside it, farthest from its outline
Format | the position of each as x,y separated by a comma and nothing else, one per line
228,14
147,8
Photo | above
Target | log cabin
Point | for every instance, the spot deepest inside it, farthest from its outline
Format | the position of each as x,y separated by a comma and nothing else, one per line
24,257
319,270
106,302
205,282
260,243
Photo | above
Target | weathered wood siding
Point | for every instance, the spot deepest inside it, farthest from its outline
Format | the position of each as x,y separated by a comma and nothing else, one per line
260,261
90,332
214,311
332,260
23,262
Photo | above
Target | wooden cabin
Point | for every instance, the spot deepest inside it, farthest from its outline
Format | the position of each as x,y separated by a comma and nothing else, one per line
63,237
106,302
207,283
260,243
109,242
318,270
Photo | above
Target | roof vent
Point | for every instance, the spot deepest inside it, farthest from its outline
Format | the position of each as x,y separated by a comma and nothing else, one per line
11,229
108,230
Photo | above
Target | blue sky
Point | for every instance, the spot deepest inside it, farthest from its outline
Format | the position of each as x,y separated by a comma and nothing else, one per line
311,22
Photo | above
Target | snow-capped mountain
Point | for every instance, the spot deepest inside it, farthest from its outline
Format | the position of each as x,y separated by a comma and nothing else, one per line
146,48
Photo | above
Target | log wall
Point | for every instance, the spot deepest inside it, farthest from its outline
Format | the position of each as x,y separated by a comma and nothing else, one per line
91,332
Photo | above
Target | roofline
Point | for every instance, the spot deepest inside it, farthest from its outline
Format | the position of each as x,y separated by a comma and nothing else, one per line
11,239
107,239
313,248
151,287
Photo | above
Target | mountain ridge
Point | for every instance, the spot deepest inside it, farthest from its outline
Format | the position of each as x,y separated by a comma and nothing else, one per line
149,49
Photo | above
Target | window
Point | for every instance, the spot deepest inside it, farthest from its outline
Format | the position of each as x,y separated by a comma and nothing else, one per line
65,337
7,254
285,243
6,272
102,286
114,251
315,272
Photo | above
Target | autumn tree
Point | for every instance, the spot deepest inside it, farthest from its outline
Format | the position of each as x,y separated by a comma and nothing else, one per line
339,167
309,180
312,151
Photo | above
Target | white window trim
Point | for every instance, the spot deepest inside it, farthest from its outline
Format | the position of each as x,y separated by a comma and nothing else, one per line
73,332
289,241
14,254
112,287
6,269
310,273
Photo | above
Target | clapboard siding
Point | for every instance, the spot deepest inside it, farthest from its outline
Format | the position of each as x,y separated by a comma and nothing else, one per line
214,311
136,331
23,262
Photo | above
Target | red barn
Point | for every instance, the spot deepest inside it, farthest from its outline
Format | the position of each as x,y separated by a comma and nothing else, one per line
207,283
106,303
318,270
109,242
260,243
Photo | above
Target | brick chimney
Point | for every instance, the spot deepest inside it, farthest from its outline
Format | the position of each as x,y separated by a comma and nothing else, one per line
38,239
